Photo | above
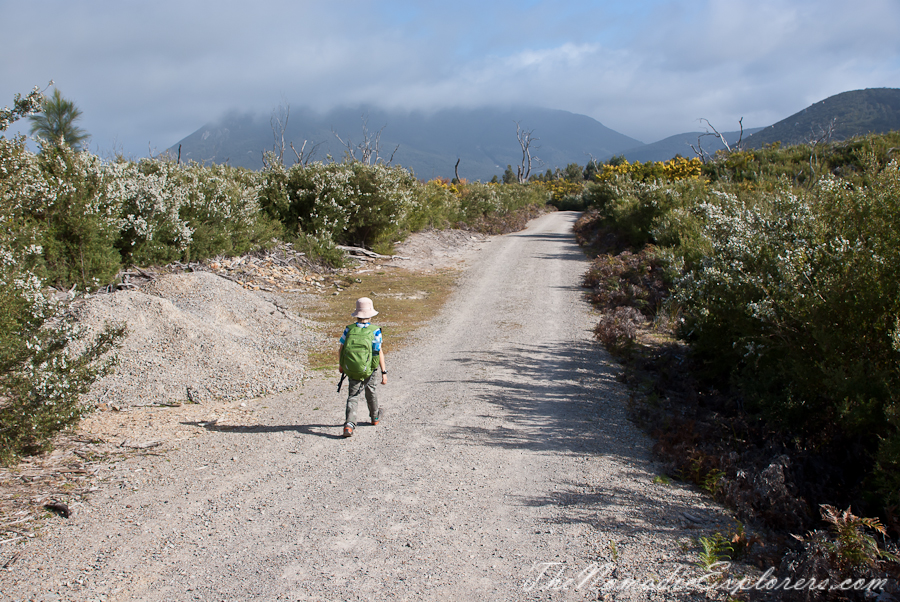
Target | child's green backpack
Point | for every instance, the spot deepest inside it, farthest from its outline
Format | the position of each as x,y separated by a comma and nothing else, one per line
357,358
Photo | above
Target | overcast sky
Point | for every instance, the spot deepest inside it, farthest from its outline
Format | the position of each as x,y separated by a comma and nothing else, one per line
148,73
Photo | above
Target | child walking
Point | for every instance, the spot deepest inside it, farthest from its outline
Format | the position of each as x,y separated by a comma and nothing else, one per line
361,353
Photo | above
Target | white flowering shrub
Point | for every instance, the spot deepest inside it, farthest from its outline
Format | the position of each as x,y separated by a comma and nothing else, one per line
758,263
802,293
77,221
168,212
41,373
786,287
352,203
382,198
22,107
41,376
797,304
147,197
222,209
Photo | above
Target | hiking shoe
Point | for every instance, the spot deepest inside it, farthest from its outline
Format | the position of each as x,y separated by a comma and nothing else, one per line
348,430
377,417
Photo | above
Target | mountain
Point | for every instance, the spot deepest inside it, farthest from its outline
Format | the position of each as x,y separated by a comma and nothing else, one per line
680,144
484,140
873,110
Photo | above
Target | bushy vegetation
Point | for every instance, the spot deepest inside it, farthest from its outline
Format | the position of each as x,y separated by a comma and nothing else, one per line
756,305
780,269
44,362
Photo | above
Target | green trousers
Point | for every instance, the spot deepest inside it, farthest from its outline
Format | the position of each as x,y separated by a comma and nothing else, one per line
357,387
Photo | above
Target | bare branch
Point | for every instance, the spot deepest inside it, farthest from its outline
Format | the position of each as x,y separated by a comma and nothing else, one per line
825,134
300,154
279,121
716,134
526,139
703,155
824,137
304,158
369,149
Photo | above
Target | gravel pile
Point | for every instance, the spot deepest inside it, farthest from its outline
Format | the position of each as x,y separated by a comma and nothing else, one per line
436,249
195,337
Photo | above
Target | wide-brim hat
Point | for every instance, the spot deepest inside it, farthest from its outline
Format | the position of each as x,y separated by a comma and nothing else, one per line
365,308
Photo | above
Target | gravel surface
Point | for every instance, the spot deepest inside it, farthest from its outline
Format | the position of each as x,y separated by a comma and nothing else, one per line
207,337
504,460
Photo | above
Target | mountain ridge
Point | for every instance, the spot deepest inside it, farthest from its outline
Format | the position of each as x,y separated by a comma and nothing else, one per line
838,117
484,140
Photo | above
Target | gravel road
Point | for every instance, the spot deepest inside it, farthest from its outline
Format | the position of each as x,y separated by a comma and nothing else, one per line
504,459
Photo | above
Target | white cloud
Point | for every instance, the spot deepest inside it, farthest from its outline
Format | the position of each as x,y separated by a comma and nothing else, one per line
154,72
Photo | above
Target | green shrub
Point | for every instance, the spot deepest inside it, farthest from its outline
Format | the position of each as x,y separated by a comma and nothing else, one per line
223,211
41,377
348,203
44,363
169,212
570,202
436,207
76,224
801,295
320,250
789,294
636,211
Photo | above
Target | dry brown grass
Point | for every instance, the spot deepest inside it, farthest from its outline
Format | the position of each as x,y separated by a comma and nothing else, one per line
404,300
58,478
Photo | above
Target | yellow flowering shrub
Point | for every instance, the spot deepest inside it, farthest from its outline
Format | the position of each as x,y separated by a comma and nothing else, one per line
673,170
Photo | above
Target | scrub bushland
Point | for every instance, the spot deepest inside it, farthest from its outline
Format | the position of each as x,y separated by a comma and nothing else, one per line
772,371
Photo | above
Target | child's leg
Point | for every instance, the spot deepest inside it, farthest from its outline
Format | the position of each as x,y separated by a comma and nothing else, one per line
372,395
356,387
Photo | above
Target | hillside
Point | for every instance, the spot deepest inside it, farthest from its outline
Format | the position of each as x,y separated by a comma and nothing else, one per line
874,110
484,140
680,144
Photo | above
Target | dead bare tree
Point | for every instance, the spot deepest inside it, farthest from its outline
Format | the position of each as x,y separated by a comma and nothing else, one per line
304,158
823,136
526,139
456,170
279,121
703,155
370,147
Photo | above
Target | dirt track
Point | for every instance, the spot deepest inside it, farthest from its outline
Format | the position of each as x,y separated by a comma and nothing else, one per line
504,447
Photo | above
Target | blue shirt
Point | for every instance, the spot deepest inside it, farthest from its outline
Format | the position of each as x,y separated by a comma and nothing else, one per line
376,343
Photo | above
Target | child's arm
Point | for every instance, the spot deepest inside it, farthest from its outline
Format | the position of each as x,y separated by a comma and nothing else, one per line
381,365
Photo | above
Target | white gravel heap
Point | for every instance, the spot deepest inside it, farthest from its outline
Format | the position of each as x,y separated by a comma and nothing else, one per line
194,337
